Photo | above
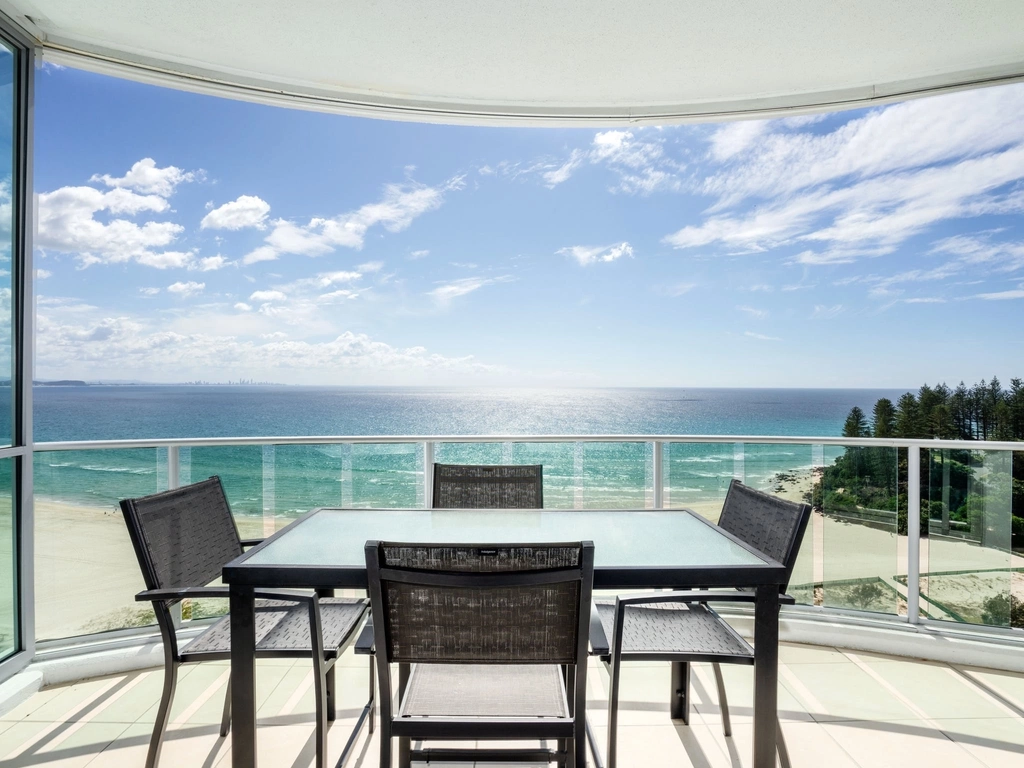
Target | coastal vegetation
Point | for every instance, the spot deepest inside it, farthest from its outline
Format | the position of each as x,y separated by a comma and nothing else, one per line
965,494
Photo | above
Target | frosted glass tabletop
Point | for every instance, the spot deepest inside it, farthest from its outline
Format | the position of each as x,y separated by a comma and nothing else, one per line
335,538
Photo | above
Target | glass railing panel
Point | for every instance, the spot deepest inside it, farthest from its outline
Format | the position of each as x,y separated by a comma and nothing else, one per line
472,453
8,563
559,462
385,475
248,475
697,476
789,472
973,568
616,475
863,555
86,573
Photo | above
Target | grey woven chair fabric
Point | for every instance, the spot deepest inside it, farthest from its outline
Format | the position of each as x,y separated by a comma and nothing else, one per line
674,628
283,626
188,534
767,523
534,624
462,486
477,690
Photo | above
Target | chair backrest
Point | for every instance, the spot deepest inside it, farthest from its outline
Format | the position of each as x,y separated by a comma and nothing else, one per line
769,524
476,604
182,537
494,486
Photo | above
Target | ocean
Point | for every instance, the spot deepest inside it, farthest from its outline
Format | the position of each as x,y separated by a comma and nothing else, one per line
288,480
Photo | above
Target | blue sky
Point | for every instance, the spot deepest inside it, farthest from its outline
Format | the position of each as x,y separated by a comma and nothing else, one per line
186,237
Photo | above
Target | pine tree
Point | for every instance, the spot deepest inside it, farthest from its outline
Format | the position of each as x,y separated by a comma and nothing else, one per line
883,422
856,424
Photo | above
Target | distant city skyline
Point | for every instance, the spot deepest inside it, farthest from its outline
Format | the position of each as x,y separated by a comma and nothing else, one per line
183,237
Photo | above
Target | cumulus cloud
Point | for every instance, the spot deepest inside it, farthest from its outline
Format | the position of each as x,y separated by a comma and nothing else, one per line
145,177
421,254
243,307
42,274
96,226
211,263
245,211
586,255
126,346
186,289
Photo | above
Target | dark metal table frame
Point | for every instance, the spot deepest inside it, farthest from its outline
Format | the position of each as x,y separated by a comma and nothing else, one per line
243,578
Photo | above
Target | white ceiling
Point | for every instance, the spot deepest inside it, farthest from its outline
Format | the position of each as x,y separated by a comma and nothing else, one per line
542,61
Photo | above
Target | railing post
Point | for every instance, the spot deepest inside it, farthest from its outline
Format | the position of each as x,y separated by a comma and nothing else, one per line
428,474
913,534
173,467
577,475
659,475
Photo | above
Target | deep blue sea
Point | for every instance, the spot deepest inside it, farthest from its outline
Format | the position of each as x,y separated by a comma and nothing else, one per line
290,479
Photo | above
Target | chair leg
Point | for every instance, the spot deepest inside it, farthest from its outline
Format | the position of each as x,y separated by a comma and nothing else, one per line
385,745
320,691
613,715
225,720
723,700
331,698
579,744
163,714
780,744
372,700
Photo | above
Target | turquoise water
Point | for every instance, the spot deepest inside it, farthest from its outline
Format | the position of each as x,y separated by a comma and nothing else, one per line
289,480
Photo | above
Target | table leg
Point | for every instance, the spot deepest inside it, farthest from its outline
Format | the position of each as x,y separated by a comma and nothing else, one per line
679,704
766,675
243,677
404,742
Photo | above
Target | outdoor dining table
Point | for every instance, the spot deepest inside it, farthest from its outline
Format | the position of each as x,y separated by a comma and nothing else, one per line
634,549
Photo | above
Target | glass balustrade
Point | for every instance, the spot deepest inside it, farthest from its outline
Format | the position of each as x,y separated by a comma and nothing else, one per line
853,557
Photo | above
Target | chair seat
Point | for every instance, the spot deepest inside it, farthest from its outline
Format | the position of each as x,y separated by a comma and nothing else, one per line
282,626
485,690
690,629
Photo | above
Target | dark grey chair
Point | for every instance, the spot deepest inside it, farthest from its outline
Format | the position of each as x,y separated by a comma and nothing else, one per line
681,627
488,486
182,538
489,640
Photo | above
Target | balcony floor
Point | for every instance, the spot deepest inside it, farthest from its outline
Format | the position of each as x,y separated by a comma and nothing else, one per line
839,709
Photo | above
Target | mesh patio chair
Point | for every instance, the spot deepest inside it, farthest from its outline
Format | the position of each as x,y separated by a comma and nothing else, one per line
682,627
491,643
182,538
488,486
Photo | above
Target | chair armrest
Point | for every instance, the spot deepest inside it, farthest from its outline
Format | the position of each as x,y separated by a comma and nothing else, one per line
598,641
698,596
251,542
364,643
157,595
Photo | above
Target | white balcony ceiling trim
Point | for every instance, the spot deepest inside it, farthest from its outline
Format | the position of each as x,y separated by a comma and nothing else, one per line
601,62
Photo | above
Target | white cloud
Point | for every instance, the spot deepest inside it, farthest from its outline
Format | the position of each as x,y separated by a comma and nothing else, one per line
445,292
733,138
1017,293
419,254
149,291
823,312
562,173
865,187
212,263
399,206
371,266
42,274
586,255
924,300
678,289
186,289
243,307
753,312
246,211
268,296
145,177
67,223
761,336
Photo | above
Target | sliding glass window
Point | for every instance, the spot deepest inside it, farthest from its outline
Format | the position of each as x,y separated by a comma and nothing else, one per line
8,528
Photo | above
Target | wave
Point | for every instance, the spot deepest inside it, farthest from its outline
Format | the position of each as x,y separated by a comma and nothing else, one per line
121,470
